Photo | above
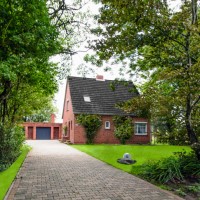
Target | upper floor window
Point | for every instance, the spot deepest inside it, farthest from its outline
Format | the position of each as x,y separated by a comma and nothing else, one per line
107,125
67,105
87,99
141,128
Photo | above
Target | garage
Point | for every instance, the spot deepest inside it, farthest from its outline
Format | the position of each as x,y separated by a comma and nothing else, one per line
42,130
43,133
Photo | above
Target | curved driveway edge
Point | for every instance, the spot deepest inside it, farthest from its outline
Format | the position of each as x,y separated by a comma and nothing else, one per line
53,170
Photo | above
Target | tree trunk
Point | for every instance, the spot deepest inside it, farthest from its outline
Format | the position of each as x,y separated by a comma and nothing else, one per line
191,134
190,131
194,11
3,99
195,145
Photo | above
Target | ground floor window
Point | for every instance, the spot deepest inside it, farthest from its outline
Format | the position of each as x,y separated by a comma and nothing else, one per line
107,125
140,128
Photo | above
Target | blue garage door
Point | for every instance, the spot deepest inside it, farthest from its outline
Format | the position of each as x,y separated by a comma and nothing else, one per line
43,133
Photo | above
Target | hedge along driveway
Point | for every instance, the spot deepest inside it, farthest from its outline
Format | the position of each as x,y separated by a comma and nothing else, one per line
140,153
7,176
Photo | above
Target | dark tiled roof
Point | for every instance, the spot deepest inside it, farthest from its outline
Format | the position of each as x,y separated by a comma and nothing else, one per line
103,98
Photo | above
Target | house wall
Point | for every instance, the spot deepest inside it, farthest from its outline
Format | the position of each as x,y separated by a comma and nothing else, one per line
68,116
107,135
34,125
79,136
76,133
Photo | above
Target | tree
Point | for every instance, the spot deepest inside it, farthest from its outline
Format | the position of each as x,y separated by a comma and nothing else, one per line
163,45
42,110
27,40
31,32
69,19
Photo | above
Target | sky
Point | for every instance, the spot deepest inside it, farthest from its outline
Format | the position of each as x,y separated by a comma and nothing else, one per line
77,60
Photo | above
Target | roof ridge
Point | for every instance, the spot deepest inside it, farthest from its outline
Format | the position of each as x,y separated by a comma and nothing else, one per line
116,80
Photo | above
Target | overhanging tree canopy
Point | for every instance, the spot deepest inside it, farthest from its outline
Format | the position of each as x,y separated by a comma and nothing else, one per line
27,40
161,44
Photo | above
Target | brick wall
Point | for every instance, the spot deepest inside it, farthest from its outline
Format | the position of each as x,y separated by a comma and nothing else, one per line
141,139
107,135
79,133
68,115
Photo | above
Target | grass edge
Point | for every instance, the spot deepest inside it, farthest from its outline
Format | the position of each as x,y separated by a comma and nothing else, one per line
14,169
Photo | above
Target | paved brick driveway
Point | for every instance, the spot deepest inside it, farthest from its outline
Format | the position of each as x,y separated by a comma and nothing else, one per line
56,171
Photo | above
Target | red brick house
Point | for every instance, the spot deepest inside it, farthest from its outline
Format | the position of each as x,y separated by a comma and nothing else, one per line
95,96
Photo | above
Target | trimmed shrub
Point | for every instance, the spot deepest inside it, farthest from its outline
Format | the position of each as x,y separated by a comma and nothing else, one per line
91,123
11,141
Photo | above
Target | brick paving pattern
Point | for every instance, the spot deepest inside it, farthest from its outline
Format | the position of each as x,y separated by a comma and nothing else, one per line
53,170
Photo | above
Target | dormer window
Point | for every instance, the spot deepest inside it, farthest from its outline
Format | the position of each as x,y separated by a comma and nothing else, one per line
87,99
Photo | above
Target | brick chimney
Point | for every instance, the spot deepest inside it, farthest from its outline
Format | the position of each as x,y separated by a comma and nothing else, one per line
99,78
53,116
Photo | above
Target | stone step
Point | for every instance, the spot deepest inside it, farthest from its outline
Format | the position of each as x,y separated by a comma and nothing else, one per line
68,142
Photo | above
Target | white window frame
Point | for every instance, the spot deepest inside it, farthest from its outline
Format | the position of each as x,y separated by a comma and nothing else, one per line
136,128
87,98
107,127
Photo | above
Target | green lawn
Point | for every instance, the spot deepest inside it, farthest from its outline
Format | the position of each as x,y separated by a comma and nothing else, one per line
140,153
7,176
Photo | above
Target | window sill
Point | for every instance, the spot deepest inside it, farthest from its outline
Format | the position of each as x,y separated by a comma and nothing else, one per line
144,134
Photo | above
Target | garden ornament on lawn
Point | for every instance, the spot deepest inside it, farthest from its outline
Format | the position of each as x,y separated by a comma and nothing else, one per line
126,159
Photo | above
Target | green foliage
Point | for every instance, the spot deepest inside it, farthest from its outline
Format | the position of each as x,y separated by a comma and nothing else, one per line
91,123
140,105
123,128
162,45
41,112
118,120
180,192
174,168
189,164
9,174
194,188
11,141
65,128
176,137
162,171
27,41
